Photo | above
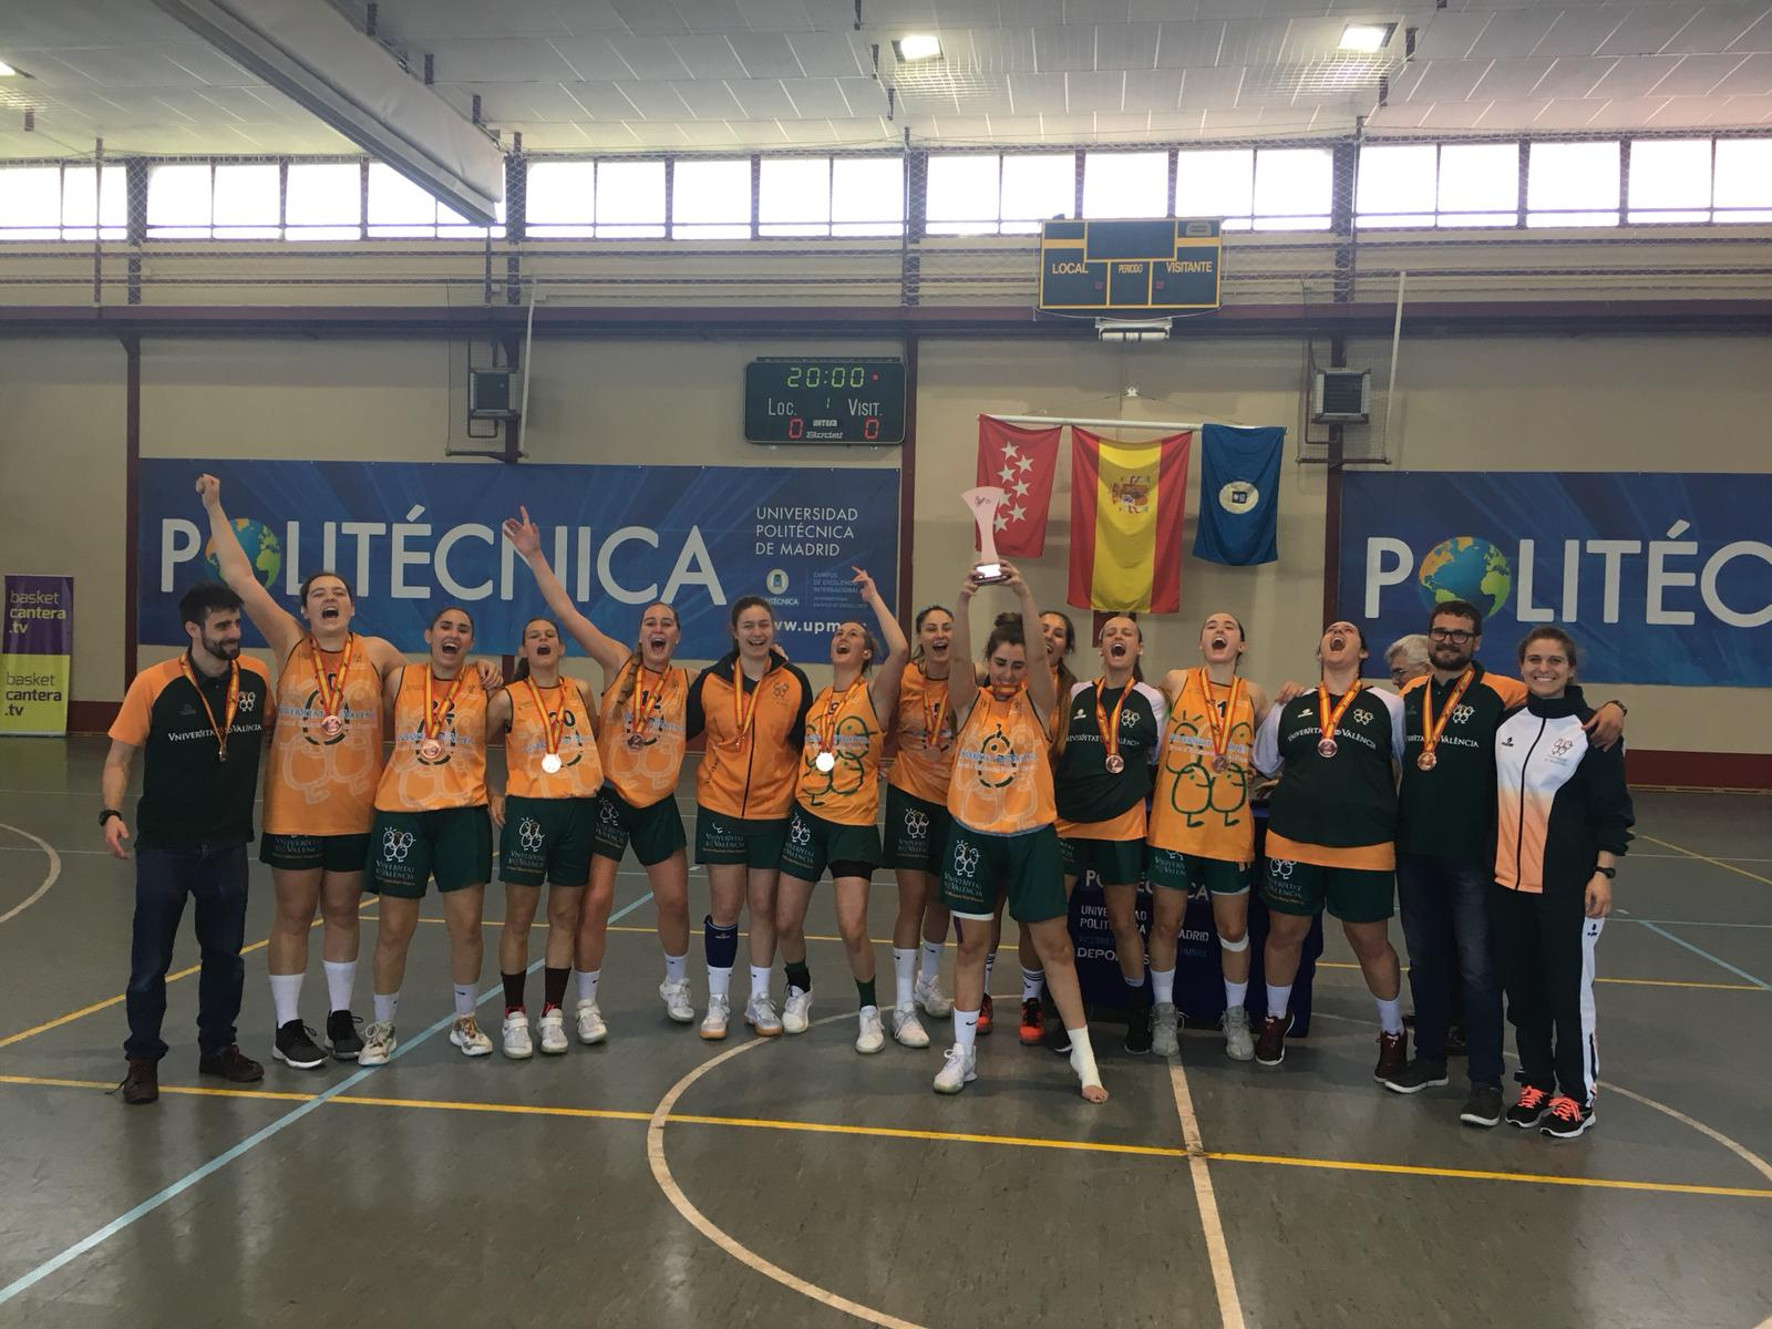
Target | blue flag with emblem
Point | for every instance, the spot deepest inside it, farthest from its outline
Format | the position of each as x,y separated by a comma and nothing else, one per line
1239,494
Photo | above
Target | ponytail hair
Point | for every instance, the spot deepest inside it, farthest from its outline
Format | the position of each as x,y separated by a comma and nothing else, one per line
521,672
868,636
917,625
1006,631
743,603
630,671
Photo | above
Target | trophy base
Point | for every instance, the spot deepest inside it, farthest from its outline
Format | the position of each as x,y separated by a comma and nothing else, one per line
989,574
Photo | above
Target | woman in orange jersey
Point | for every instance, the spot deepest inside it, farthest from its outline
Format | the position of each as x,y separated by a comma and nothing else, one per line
544,814
1004,840
1202,830
917,817
836,801
752,705
430,821
641,733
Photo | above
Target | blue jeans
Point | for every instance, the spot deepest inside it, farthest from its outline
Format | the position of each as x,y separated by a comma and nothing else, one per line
163,880
1445,907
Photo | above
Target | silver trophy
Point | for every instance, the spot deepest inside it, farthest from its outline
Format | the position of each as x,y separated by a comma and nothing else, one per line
983,503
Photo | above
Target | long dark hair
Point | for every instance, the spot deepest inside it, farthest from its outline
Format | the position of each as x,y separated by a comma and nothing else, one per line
1066,679
521,672
867,634
631,670
917,625
743,603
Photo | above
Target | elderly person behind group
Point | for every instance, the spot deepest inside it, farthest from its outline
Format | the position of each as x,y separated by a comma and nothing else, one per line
1409,657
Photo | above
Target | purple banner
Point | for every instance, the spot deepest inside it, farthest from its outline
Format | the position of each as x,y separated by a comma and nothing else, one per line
36,655
39,615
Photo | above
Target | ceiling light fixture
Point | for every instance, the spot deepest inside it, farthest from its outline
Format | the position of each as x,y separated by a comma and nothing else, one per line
917,46
1366,37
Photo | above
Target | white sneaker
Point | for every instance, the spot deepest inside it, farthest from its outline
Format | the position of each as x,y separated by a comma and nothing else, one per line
519,1044
959,1070
466,1034
378,1044
930,1000
676,1000
1239,1042
591,1028
1165,1041
871,1037
908,1029
552,1028
796,1015
760,1015
713,1024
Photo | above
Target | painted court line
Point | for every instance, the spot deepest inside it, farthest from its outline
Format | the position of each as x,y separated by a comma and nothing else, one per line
1755,986
49,878
1723,863
1471,1174
1224,1282
57,1262
1699,950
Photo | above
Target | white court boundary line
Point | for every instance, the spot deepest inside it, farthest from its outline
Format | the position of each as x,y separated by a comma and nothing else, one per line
55,872
1224,1282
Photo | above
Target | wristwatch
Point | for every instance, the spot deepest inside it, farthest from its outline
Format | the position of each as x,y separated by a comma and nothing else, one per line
1610,874
107,814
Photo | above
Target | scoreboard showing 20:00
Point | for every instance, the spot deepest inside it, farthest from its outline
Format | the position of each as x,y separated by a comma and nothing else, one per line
824,399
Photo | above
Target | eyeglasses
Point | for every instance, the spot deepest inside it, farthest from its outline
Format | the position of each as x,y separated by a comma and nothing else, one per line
1457,636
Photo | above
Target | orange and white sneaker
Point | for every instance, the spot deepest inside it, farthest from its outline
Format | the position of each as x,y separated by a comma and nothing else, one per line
984,1016
1033,1023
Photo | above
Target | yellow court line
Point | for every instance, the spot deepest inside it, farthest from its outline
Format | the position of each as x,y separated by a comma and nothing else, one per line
514,1109
1706,858
1627,982
194,1090
947,1137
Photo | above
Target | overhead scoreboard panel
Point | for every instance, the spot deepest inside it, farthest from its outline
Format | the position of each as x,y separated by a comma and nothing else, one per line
1130,269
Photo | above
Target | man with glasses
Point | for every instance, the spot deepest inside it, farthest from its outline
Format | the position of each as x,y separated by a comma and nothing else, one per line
1408,659
1445,852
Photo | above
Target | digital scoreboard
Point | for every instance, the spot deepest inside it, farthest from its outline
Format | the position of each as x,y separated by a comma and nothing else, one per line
1130,269
824,399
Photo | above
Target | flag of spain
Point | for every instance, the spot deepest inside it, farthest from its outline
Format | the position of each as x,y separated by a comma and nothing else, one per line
1127,503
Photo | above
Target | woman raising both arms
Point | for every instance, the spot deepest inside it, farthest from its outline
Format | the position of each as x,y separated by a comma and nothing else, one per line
640,741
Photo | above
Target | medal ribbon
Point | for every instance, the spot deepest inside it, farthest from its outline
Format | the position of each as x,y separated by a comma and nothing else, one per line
743,715
232,705
935,705
332,695
1430,732
1329,720
1220,725
554,727
650,702
826,727
432,724
1109,725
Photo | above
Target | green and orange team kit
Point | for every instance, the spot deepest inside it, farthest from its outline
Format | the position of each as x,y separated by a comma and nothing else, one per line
551,720
1103,775
839,777
641,735
419,777
326,749
1002,780
1339,810
1200,809
751,762
924,766
1448,809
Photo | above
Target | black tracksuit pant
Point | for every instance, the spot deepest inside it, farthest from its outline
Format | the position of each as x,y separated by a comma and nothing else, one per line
1544,947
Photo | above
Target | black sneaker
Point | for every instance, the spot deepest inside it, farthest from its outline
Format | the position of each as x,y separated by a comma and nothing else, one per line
142,1083
295,1046
231,1064
1566,1119
1393,1055
1456,1043
1270,1041
341,1032
1138,1031
1533,1106
1416,1076
1483,1107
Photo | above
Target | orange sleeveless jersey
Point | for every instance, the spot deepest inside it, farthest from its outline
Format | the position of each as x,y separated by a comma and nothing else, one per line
316,785
581,769
753,774
848,793
1194,809
645,773
1002,781
457,779
925,763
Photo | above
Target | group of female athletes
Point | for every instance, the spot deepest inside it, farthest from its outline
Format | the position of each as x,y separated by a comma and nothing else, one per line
1012,780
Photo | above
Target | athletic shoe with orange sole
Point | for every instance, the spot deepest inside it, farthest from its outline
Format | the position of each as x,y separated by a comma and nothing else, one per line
984,1016
1033,1022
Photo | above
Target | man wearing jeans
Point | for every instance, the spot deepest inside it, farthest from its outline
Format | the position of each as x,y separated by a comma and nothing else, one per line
1446,851
201,718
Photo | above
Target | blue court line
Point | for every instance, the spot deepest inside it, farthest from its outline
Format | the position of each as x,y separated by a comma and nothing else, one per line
27,1281
1699,950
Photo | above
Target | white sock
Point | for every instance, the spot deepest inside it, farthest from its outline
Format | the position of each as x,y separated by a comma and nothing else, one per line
341,977
1033,983
990,962
904,976
587,984
760,980
966,1028
1083,1056
386,1007
1390,1014
464,1000
1277,999
1163,986
677,967
1235,994
286,996
931,961
719,981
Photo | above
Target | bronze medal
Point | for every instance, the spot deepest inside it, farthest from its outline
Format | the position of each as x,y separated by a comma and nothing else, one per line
1427,761
1326,748
431,750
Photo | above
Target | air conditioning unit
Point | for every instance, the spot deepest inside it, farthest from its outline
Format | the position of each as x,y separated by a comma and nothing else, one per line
1341,396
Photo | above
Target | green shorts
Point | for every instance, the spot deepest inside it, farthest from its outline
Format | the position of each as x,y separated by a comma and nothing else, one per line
656,831
754,842
1188,872
812,844
545,839
978,868
916,831
1354,895
300,853
407,849
1114,862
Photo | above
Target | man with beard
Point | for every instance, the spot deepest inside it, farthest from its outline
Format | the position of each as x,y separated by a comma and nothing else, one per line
1446,851
200,716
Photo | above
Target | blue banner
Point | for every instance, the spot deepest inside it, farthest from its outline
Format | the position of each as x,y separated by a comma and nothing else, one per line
411,537
1660,578
1239,495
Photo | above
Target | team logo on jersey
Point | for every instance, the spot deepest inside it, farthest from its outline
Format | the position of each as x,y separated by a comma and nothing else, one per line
916,824
529,834
1082,713
1561,748
395,845
608,813
1280,869
1128,719
1461,713
800,833
248,701
716,829
781,689
1362,716
965,860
